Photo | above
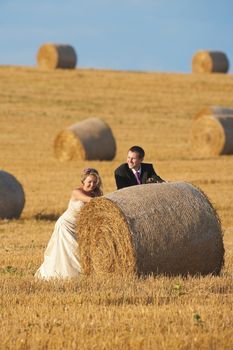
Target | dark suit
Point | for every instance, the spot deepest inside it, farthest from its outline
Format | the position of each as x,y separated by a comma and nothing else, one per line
125,177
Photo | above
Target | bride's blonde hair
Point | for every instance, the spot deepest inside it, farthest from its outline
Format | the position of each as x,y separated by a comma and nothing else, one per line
91,171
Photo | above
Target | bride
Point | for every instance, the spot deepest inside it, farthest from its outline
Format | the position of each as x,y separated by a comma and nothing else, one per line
60,257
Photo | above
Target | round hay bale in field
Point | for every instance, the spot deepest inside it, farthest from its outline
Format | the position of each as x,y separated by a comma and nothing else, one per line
212,131
168,228
214,110
12,197
90,139
56,56
210,62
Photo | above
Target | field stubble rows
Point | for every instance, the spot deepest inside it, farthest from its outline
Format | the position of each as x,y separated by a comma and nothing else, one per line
151,109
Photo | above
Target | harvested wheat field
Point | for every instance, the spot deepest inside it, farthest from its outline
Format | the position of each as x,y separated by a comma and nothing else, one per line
108,311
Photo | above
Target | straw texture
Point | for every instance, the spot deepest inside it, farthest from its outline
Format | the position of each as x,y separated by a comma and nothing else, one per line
12,197
90,139
168,228
53,56
210,62
212,131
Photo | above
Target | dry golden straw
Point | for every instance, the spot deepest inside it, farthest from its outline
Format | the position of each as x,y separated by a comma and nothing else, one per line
212,131
210,62
56,56
90,139
12,197
168,228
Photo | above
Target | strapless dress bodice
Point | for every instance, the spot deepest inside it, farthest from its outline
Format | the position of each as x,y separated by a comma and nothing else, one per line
72,212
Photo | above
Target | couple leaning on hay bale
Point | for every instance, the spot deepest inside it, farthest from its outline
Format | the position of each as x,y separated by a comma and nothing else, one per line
60,258
163,228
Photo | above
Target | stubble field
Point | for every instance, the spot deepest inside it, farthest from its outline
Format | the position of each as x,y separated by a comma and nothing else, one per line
153,110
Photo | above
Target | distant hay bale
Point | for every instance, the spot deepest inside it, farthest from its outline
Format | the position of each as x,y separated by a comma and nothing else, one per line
12,197
213,111
210,62
212,131
90,139
168,228
56,56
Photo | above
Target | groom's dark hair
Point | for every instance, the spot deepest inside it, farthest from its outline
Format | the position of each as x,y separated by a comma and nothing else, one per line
139,150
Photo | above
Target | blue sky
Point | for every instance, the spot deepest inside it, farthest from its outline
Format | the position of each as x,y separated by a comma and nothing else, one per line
141,35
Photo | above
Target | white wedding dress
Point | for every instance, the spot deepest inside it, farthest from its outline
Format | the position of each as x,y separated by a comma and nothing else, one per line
61,255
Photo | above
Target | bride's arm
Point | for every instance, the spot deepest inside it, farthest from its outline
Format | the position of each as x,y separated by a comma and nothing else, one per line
79,195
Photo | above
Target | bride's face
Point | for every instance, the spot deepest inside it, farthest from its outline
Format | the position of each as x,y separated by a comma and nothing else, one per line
90,183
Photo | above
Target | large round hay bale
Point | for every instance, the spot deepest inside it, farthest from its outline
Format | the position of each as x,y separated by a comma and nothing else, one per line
210,62
90,139
168,228
212,131
12,197
56,56
214,111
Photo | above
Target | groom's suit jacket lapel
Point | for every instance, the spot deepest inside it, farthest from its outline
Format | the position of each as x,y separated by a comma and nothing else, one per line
144,174
132,176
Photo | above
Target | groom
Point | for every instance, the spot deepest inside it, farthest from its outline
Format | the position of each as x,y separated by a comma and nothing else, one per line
134,172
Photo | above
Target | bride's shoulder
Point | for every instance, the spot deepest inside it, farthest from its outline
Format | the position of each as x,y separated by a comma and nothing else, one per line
76,194
77,190
79,195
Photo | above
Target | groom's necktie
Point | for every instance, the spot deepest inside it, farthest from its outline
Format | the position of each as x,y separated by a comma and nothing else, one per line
138,178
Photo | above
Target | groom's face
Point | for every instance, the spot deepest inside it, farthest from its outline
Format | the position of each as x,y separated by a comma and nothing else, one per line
134,160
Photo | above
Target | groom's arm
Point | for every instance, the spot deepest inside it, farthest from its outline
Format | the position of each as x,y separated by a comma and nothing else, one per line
120,181
121,177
